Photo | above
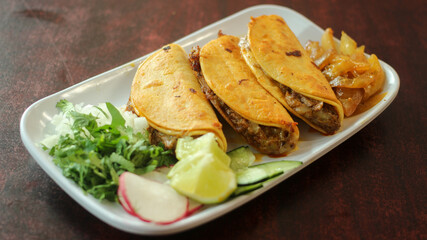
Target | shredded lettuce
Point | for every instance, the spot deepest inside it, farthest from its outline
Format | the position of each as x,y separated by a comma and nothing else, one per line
94,156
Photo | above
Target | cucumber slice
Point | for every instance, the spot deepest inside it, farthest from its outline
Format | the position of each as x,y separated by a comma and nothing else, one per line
262,172
277,167
246,189
241,157
250,176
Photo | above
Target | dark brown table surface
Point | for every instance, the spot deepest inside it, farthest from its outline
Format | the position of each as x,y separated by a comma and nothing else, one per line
373,186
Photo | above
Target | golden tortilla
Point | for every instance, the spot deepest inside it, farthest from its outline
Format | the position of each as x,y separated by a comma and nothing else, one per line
276,52
227,74
166,92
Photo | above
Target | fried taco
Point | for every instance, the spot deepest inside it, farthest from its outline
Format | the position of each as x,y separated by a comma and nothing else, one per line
284,69
234,91
166,92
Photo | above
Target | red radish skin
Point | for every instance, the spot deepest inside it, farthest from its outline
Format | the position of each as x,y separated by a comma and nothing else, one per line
145,197
193,206
123,201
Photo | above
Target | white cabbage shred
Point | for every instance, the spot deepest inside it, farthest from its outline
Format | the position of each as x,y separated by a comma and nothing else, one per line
62,125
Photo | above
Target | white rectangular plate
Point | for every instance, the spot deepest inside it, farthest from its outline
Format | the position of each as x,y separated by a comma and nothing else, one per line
114,86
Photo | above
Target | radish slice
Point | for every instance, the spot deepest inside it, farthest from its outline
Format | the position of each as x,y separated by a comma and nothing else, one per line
123,202
156,176
152,201
193,206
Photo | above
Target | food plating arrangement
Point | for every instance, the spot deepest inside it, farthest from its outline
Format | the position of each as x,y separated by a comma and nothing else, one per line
206,129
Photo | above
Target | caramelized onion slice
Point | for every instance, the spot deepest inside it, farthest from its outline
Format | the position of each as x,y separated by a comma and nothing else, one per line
350,98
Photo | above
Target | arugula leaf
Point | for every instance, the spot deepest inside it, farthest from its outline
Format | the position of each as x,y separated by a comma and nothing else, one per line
95,156
118,120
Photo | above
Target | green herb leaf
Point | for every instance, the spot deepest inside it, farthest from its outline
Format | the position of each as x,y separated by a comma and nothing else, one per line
118,120
65,106
95,156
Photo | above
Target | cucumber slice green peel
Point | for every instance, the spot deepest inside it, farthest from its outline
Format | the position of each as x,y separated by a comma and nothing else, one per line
240,190
264,171
251,177
254,177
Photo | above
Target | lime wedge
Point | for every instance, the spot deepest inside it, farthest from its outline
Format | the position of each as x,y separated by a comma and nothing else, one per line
186,147
204,179
202,172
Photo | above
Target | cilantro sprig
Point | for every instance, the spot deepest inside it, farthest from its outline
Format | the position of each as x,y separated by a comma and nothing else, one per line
94,156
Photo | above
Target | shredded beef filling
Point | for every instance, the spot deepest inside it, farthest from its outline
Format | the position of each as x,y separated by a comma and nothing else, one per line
319,113
267,139
157,137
